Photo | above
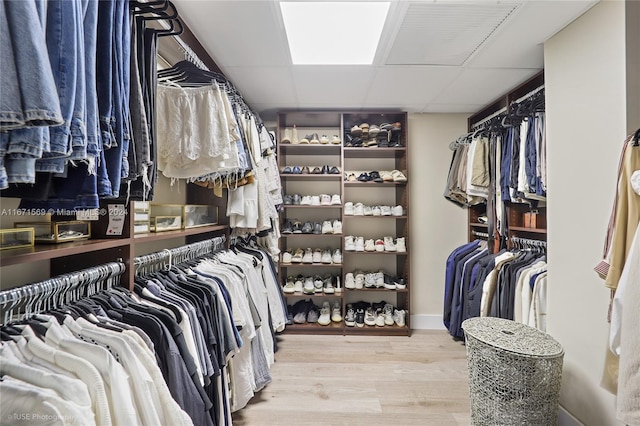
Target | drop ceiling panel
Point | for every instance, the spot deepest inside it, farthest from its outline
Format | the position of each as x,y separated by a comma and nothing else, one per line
453,108
324,85
445,33
274,84
409,85
238,33
482,86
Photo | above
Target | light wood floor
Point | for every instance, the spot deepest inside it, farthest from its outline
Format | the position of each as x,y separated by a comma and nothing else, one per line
362,380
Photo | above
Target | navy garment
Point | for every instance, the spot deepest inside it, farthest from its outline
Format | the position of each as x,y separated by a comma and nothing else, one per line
450,277
465,266
505,164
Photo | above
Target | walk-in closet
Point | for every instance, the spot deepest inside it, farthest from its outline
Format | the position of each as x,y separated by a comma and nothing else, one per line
319,213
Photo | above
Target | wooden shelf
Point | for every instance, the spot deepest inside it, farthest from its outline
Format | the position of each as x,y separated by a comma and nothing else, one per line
314,328
478,225
375,252
314,295
372,329
374,152
47,252
301,176
373,184
376,289
159,236
310,265
311,235
305,206
352,216
531,230
314,149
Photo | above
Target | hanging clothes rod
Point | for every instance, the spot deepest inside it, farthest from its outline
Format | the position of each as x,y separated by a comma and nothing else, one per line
528,243
530,94
480,234
166,258
24,301
484,120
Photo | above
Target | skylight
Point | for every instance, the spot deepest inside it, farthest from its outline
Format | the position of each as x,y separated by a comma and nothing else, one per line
333,33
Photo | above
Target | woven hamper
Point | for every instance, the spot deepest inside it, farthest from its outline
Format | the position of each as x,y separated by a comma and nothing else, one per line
514,373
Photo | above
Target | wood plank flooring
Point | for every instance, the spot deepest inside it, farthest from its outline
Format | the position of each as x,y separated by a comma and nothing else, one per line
364,380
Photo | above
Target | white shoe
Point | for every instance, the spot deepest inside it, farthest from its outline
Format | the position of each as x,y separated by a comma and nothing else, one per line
349,281
369,245
386,211
318,284
350,317
286,257
326,256
349,243
388,244
337,257
338,286
400,245
306,200
325,200
336,140
326,227
358,209
387,311
328,286
336,312
359,243
308,256
399,317
369,317
337,227
287,136
298,287
397,211
325,314
315,200
317,256
369,280
368,211
335,200
324,139
379,279
359,281
379,245
348,208
289,287
309,288
380,319
376,211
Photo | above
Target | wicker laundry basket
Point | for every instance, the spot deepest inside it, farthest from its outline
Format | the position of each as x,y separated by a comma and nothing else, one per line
514,373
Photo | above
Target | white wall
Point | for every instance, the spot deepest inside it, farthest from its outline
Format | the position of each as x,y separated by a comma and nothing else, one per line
437,225
586,125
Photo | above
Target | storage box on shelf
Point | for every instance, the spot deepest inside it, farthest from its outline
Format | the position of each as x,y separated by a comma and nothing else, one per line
379,146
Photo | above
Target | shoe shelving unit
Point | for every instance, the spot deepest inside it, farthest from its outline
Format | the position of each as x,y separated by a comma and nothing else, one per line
347,159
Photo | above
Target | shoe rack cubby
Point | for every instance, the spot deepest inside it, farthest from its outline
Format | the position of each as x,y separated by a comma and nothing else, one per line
365,157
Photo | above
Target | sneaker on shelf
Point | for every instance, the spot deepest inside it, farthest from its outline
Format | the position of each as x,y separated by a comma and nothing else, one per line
335,140
350,177
400,283
335,200
328,286
297,256
387,311
299,311
399,317
314,139
318,283
306,200
307,228
308,287
287,200
379,319
349,281
360,317
336,311
400,245
376,211
349,243
294,135
350,317
369,245
379,279
315,200
308,256
373,131
360,280
317,228
325,314
298,284
338,286
370,317
337,227
348,208
398,176
287,137
379,245
314,313
297,199
287,256
389,283
289,287
388,244
397,210
324,139
325,200
368,211
359,243
375,175
358,209
327,228
337,257
287,227
326,256
289,316
306,139
385,210
304,170
356,131
297,227
317,256
369,280
386,176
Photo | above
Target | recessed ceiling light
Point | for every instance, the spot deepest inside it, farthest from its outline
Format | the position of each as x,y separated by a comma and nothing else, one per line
333,33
